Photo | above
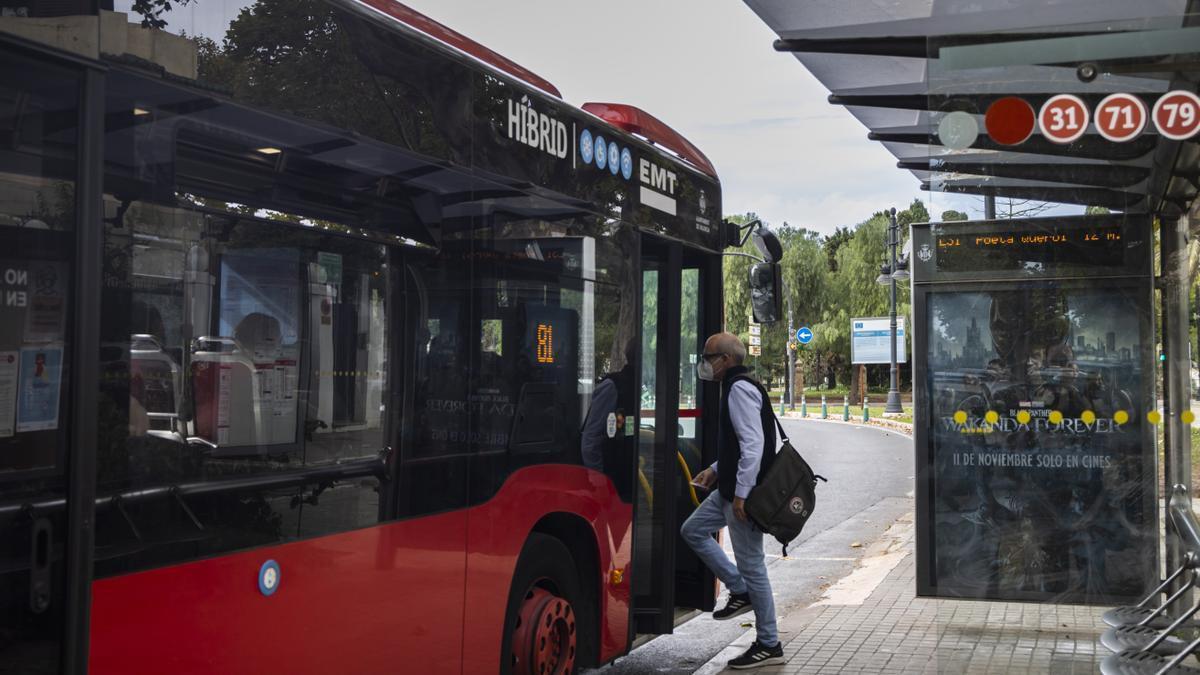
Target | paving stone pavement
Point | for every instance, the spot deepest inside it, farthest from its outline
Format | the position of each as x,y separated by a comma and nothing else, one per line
892,631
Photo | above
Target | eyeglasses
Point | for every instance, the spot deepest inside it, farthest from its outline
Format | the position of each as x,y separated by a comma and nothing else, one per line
712,355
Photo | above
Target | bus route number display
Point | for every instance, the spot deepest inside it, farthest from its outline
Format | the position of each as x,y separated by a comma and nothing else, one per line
545,343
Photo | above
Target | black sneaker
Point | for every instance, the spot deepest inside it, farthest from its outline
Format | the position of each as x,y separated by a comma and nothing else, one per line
738,604
758,656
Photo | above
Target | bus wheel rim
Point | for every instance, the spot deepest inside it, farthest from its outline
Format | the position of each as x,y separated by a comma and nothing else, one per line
544,639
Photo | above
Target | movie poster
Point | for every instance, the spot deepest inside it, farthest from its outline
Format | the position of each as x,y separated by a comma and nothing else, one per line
1040,471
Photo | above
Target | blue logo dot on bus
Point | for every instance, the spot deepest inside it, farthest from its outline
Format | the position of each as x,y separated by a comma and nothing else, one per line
601,150
268,577
614,158
626,163
585,146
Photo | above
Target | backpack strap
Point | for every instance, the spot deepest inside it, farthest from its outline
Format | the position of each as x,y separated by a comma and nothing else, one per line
778,425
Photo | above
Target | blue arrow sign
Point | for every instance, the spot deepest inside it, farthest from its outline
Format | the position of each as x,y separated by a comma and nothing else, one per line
804,335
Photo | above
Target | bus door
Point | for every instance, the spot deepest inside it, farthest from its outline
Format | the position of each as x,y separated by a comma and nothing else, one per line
699,317
671,433
39,552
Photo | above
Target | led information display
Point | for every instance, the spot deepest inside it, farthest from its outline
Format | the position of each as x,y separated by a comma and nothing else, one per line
1033,421
1059,247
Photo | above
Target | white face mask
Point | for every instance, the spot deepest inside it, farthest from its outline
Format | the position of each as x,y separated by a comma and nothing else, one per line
704,370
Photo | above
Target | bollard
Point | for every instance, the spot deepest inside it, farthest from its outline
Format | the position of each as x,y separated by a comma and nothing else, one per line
781,405
804,406
824,408
845,408
866,410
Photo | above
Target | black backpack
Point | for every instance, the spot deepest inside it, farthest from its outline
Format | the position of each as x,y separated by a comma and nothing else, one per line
786,495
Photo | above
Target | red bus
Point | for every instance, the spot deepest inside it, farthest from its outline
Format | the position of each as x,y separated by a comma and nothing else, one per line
332,341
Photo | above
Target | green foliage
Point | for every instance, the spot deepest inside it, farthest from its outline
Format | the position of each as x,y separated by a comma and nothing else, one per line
952,215
827,282
736,275
833,242
151,11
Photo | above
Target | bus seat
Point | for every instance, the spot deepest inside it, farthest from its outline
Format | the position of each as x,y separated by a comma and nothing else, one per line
154,383
261,340
228,413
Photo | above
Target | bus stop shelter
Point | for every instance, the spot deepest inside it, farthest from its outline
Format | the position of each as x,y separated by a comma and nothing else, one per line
1022,102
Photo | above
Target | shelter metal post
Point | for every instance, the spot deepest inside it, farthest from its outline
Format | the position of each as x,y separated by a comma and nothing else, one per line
1177,438
790,380
893,397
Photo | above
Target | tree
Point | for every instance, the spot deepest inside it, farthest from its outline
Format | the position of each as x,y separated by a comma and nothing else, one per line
735,272
952,215
805,277
1096,211
833,242
1010,207
151,11
915,213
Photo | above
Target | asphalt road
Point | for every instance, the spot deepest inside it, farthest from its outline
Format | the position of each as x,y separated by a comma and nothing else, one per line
870,472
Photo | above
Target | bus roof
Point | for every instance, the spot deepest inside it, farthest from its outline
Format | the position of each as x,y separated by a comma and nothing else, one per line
622,116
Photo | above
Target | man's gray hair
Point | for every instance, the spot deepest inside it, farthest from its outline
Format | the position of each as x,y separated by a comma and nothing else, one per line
738,351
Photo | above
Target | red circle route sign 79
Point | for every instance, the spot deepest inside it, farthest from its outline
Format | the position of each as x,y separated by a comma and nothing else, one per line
1177,115
1063,118
1121,117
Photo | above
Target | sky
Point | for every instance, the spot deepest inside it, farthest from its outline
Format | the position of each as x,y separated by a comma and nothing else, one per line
705,67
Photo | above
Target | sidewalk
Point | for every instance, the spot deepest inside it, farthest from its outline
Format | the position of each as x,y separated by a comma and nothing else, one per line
871,622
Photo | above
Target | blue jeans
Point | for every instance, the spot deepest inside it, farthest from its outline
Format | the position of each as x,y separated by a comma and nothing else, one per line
750,573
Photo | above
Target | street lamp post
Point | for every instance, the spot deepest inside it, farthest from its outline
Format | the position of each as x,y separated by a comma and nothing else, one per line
893,272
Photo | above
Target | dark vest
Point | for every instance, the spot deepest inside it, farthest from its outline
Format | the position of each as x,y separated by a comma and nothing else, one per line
728,449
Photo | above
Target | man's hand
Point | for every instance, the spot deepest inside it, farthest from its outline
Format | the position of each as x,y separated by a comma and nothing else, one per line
739,508
706,479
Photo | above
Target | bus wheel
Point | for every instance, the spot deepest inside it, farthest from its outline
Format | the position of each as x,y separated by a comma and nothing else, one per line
543,634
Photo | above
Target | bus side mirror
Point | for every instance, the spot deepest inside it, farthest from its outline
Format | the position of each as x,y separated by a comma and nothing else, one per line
766,292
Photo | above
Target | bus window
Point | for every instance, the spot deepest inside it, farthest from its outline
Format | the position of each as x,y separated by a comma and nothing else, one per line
236,346
518,349
38,108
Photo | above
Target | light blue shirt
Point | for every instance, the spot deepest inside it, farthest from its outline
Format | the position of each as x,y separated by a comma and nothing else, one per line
745,406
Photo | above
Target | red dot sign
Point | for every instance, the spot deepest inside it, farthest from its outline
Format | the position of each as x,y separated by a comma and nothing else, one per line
1063,118
1009,120
1121,117
1177,115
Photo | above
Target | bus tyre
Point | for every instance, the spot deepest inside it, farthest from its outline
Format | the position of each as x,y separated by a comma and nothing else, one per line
546,629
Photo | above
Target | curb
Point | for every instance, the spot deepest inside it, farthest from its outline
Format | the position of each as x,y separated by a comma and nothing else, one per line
883,423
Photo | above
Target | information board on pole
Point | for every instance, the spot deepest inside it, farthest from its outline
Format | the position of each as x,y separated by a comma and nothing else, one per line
869,340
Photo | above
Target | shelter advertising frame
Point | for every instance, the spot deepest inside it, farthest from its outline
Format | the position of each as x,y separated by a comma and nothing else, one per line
1033,378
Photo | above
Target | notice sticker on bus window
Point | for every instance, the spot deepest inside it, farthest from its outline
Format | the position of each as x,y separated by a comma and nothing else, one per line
9,365
611,427
38,388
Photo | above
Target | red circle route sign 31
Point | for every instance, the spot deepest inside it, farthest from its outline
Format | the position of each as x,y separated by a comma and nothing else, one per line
1063,118
1177,115
1121,117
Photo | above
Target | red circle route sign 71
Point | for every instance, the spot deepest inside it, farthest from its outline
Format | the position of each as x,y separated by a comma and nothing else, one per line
1121,117
1177,115
1063,118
